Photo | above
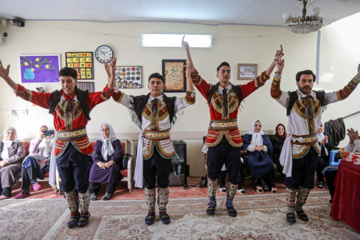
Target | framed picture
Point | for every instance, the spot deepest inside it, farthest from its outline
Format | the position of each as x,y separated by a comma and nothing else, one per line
40,68
82,62
174,75
90,86
246,71
128,76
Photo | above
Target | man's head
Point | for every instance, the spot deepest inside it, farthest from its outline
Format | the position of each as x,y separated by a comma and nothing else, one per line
156,84
305,81
68,80
223,73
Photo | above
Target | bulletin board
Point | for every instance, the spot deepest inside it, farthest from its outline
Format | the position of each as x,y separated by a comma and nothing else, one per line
82,62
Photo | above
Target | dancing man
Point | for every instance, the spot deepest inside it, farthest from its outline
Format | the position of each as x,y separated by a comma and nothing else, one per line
71,110
223,138
154,114
301,150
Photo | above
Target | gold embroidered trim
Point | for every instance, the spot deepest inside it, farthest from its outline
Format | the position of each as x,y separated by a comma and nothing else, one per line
69,135
157,135
226,124
305,139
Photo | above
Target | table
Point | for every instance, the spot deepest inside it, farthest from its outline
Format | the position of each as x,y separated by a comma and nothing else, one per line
346,202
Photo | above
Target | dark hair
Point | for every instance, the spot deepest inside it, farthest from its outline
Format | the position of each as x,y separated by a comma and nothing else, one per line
306,72
222,64
66,71
158,76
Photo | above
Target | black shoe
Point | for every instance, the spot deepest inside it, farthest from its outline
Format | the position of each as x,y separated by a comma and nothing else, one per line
84,220
302,215
290,218
230,208
211,208
320,184
150,218
165,218
223,189
93,197
330,201
107,196
73,222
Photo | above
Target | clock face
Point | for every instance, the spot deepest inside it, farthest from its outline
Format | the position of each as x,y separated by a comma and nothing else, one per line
104,53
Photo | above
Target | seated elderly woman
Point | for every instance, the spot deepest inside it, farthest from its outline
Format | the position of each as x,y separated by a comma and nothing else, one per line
36,164
106,165
259,151
12,152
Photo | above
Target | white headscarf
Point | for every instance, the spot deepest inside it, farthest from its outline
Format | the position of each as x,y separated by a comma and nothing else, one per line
257,139
8,144
321,136
107,148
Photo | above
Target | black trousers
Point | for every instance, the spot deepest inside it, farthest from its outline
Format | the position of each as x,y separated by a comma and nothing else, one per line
28,175
6,191
330,180
303,171
95,187
224,153
156,169
74,170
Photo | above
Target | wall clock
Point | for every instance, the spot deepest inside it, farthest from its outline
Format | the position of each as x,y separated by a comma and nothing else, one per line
104,53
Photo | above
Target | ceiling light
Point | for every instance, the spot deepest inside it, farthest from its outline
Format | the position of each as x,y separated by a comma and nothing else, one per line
304,24
174,40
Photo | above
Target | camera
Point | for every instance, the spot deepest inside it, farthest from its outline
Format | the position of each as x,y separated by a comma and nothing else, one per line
48,133
18,22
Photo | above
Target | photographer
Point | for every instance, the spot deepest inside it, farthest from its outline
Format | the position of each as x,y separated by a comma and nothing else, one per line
36,164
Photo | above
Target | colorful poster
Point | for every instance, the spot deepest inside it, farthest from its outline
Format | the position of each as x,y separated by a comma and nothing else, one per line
128,76
82,62
40,68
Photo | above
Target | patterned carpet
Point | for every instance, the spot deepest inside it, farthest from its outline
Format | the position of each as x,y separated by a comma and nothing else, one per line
259,217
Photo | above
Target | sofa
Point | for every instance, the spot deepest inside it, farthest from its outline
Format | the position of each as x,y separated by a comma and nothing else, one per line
128,150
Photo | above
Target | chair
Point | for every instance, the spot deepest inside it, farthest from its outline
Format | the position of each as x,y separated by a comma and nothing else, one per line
332,161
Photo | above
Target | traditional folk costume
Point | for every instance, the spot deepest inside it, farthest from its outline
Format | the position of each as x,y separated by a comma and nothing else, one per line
13,152
35,165
223,138
73,150
106,150
301,150
259,162
154,116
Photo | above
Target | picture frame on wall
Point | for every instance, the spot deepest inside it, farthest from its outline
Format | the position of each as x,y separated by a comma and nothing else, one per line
90,86
128,77
82,62
39,68
173,71
247,71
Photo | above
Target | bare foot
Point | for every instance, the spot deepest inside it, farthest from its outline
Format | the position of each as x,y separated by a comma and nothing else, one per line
3,197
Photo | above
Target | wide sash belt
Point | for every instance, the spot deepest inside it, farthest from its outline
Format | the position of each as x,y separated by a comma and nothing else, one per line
69,135
226,124
157,135
304,139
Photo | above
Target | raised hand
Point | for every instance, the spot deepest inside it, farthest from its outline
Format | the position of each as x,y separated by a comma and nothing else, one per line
4,72
185,44
110,71
279,54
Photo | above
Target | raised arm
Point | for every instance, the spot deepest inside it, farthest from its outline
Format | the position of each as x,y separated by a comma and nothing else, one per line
278,55
190,63
275,86
190,86
110,71
4,73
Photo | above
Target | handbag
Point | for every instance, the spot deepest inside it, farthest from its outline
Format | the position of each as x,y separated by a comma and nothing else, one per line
124,162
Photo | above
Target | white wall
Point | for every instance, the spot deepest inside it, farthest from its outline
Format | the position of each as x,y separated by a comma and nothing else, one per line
235,44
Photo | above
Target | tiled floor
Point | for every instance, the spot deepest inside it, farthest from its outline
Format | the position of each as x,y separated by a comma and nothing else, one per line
122,193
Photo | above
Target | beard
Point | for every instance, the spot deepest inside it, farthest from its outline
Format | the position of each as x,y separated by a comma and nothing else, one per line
305,90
